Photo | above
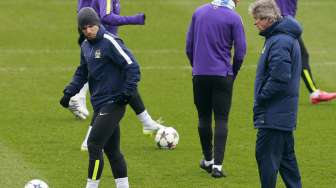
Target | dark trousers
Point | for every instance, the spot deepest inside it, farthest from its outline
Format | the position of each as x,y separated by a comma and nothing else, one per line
275,152
306,73
105,136
213,95
136,104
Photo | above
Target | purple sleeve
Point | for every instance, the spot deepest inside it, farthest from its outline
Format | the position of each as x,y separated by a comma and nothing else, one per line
117,20
190,42
239,46
109,14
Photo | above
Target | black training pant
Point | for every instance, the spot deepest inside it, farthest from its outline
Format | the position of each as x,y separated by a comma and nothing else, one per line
213,94
105,136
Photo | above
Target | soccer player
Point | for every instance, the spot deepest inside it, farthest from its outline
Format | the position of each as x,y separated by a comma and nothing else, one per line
276,94
214,29
108,11
288,8
112,73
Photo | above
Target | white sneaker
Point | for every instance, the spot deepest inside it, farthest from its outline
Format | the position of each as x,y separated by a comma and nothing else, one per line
152,127
77,105
92,183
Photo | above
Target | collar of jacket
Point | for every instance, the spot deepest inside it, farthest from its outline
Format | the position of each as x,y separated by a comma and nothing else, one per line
287,25
99,36
270,30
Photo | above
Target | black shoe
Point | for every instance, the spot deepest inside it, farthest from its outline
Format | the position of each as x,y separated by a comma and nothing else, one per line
217,173
205,167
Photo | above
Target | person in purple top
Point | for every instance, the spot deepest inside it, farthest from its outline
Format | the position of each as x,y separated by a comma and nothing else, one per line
83,3
289,8
214,29
109,13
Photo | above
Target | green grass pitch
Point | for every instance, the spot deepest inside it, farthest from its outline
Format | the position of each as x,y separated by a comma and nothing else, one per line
39,139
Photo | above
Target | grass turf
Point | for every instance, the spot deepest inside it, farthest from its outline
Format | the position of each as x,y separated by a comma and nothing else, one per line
39,139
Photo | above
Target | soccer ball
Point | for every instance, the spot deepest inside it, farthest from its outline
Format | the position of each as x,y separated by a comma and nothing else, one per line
36,183
166,138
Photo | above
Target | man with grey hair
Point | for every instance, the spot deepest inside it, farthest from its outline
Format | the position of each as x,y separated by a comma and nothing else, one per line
276,94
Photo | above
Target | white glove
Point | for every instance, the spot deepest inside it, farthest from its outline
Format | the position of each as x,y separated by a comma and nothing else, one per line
77,110
77,113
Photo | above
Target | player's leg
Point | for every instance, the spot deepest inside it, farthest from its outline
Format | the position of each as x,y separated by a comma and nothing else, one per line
84,146
306,71
316,95
149,125
289,169
269,148
202,101
77,103
221,102
105,123
116,159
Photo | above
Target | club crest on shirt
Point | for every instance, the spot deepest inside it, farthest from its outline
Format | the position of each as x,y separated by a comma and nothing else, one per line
97,54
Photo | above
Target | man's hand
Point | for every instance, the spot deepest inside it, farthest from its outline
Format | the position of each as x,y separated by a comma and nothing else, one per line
65,101
122,99
142,18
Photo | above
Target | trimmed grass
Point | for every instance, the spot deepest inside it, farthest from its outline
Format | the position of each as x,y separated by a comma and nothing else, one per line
39,139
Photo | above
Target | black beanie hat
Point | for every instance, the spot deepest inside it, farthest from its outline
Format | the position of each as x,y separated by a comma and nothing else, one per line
87,16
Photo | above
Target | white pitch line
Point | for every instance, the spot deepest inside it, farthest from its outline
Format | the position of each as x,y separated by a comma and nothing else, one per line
4,51
173,2
181,67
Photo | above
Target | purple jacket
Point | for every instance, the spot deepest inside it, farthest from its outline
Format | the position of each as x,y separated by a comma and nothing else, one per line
212,33
109,13
287,7
83,3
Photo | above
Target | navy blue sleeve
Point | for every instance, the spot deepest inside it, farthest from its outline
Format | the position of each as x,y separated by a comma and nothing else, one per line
79,78
124,59
279,69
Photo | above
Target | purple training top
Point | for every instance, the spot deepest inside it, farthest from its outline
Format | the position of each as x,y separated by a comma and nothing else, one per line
109,13
83,3
212,33
287,7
